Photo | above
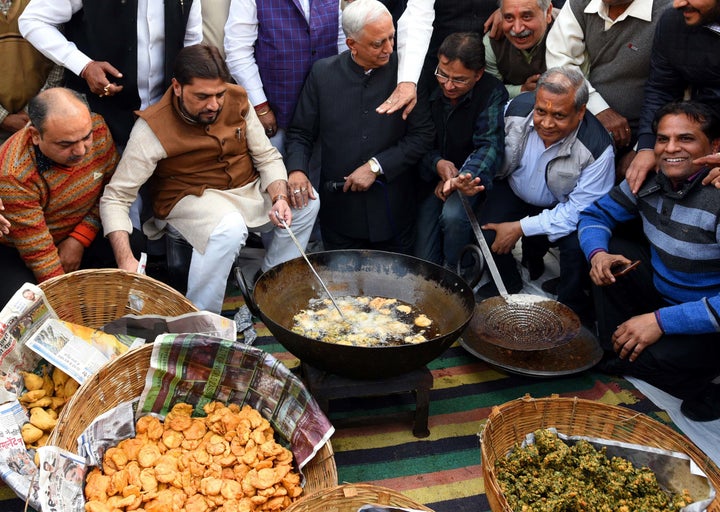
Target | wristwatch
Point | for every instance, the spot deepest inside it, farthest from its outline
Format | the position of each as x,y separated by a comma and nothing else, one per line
374,166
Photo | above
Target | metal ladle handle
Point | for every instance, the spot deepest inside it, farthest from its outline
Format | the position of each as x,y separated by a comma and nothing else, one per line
302,253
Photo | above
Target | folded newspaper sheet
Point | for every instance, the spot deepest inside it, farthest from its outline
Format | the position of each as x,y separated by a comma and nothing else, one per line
196,369
32,336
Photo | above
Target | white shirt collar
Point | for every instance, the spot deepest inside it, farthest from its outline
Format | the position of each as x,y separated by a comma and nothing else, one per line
640,9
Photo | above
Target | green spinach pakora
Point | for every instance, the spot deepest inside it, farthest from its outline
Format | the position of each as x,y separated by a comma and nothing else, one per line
551,476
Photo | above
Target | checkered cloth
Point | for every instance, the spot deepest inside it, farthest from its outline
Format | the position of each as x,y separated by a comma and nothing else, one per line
199,369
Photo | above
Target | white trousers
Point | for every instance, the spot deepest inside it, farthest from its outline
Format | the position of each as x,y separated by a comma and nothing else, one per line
209,271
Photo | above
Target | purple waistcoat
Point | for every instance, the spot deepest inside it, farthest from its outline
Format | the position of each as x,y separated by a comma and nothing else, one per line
287,47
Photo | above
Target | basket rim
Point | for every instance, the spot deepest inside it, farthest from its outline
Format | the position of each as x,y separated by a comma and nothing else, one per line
500,416
349,492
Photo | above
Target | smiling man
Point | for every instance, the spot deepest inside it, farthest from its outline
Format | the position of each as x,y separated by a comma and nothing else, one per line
661,322
213,174
558,160
368,173
52,173
518,59
467,110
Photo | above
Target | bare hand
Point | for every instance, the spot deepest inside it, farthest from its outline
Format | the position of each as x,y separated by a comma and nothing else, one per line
96,75
713,177
601,267
634,335
70,252
360,179
300,188
446,169
642,164
15,122
506,236
269,123
4,223
465,183
616,125
439,190
280,210
404,95
493,25
530,84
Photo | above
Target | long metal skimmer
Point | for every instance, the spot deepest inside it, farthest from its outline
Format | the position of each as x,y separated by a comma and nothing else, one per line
317,276
483,245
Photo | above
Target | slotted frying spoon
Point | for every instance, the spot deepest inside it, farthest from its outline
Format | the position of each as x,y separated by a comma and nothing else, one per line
519,321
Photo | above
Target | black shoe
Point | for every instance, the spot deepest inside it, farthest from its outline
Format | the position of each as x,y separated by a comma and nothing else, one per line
551,285
703,407
535,266
612,364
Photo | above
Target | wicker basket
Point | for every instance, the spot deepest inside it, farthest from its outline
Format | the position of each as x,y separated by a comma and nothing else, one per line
350,497
94,297
509,423
123,379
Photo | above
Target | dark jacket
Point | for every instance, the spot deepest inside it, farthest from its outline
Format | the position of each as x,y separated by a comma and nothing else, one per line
106,30
682,57
337,104
471,134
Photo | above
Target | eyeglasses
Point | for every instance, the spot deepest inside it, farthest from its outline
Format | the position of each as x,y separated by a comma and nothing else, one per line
443,78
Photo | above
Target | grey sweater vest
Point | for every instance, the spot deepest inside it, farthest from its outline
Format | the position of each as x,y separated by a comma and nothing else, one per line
619,58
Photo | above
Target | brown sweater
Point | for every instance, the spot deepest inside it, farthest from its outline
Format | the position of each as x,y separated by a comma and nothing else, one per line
199,157
24,68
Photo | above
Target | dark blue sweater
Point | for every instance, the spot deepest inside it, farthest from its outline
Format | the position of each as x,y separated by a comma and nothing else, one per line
683,228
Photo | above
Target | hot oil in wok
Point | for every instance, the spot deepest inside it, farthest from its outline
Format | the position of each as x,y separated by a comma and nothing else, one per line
369,322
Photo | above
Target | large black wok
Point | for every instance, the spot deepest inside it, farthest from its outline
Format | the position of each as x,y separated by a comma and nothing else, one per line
287,288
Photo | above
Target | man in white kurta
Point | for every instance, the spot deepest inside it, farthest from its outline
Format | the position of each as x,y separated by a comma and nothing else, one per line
213,176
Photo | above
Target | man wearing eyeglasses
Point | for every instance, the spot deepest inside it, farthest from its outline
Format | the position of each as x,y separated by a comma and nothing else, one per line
368,174
558,160
467,110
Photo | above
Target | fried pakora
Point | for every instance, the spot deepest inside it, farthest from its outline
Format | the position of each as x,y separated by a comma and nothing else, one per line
234,461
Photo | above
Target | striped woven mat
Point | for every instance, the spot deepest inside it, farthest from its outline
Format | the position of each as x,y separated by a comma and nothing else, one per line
441,471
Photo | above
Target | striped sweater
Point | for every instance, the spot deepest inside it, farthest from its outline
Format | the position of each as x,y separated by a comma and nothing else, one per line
46,203
683,228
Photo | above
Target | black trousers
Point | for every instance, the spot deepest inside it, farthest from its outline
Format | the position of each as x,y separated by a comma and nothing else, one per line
680,364
403,241
502,205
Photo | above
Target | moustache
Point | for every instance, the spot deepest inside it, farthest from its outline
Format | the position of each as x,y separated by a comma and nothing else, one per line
524,33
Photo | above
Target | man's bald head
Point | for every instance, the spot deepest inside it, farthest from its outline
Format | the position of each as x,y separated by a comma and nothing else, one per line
57,102
61,125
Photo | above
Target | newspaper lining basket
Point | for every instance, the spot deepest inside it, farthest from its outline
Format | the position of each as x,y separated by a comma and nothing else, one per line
508,424
350,497
122,380
94,297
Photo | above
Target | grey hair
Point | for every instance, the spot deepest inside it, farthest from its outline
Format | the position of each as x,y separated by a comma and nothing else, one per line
359,13
51,101
571,80
543,4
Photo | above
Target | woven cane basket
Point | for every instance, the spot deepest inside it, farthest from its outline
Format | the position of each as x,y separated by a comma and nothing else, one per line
508,424
94,297
350,497
122,380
